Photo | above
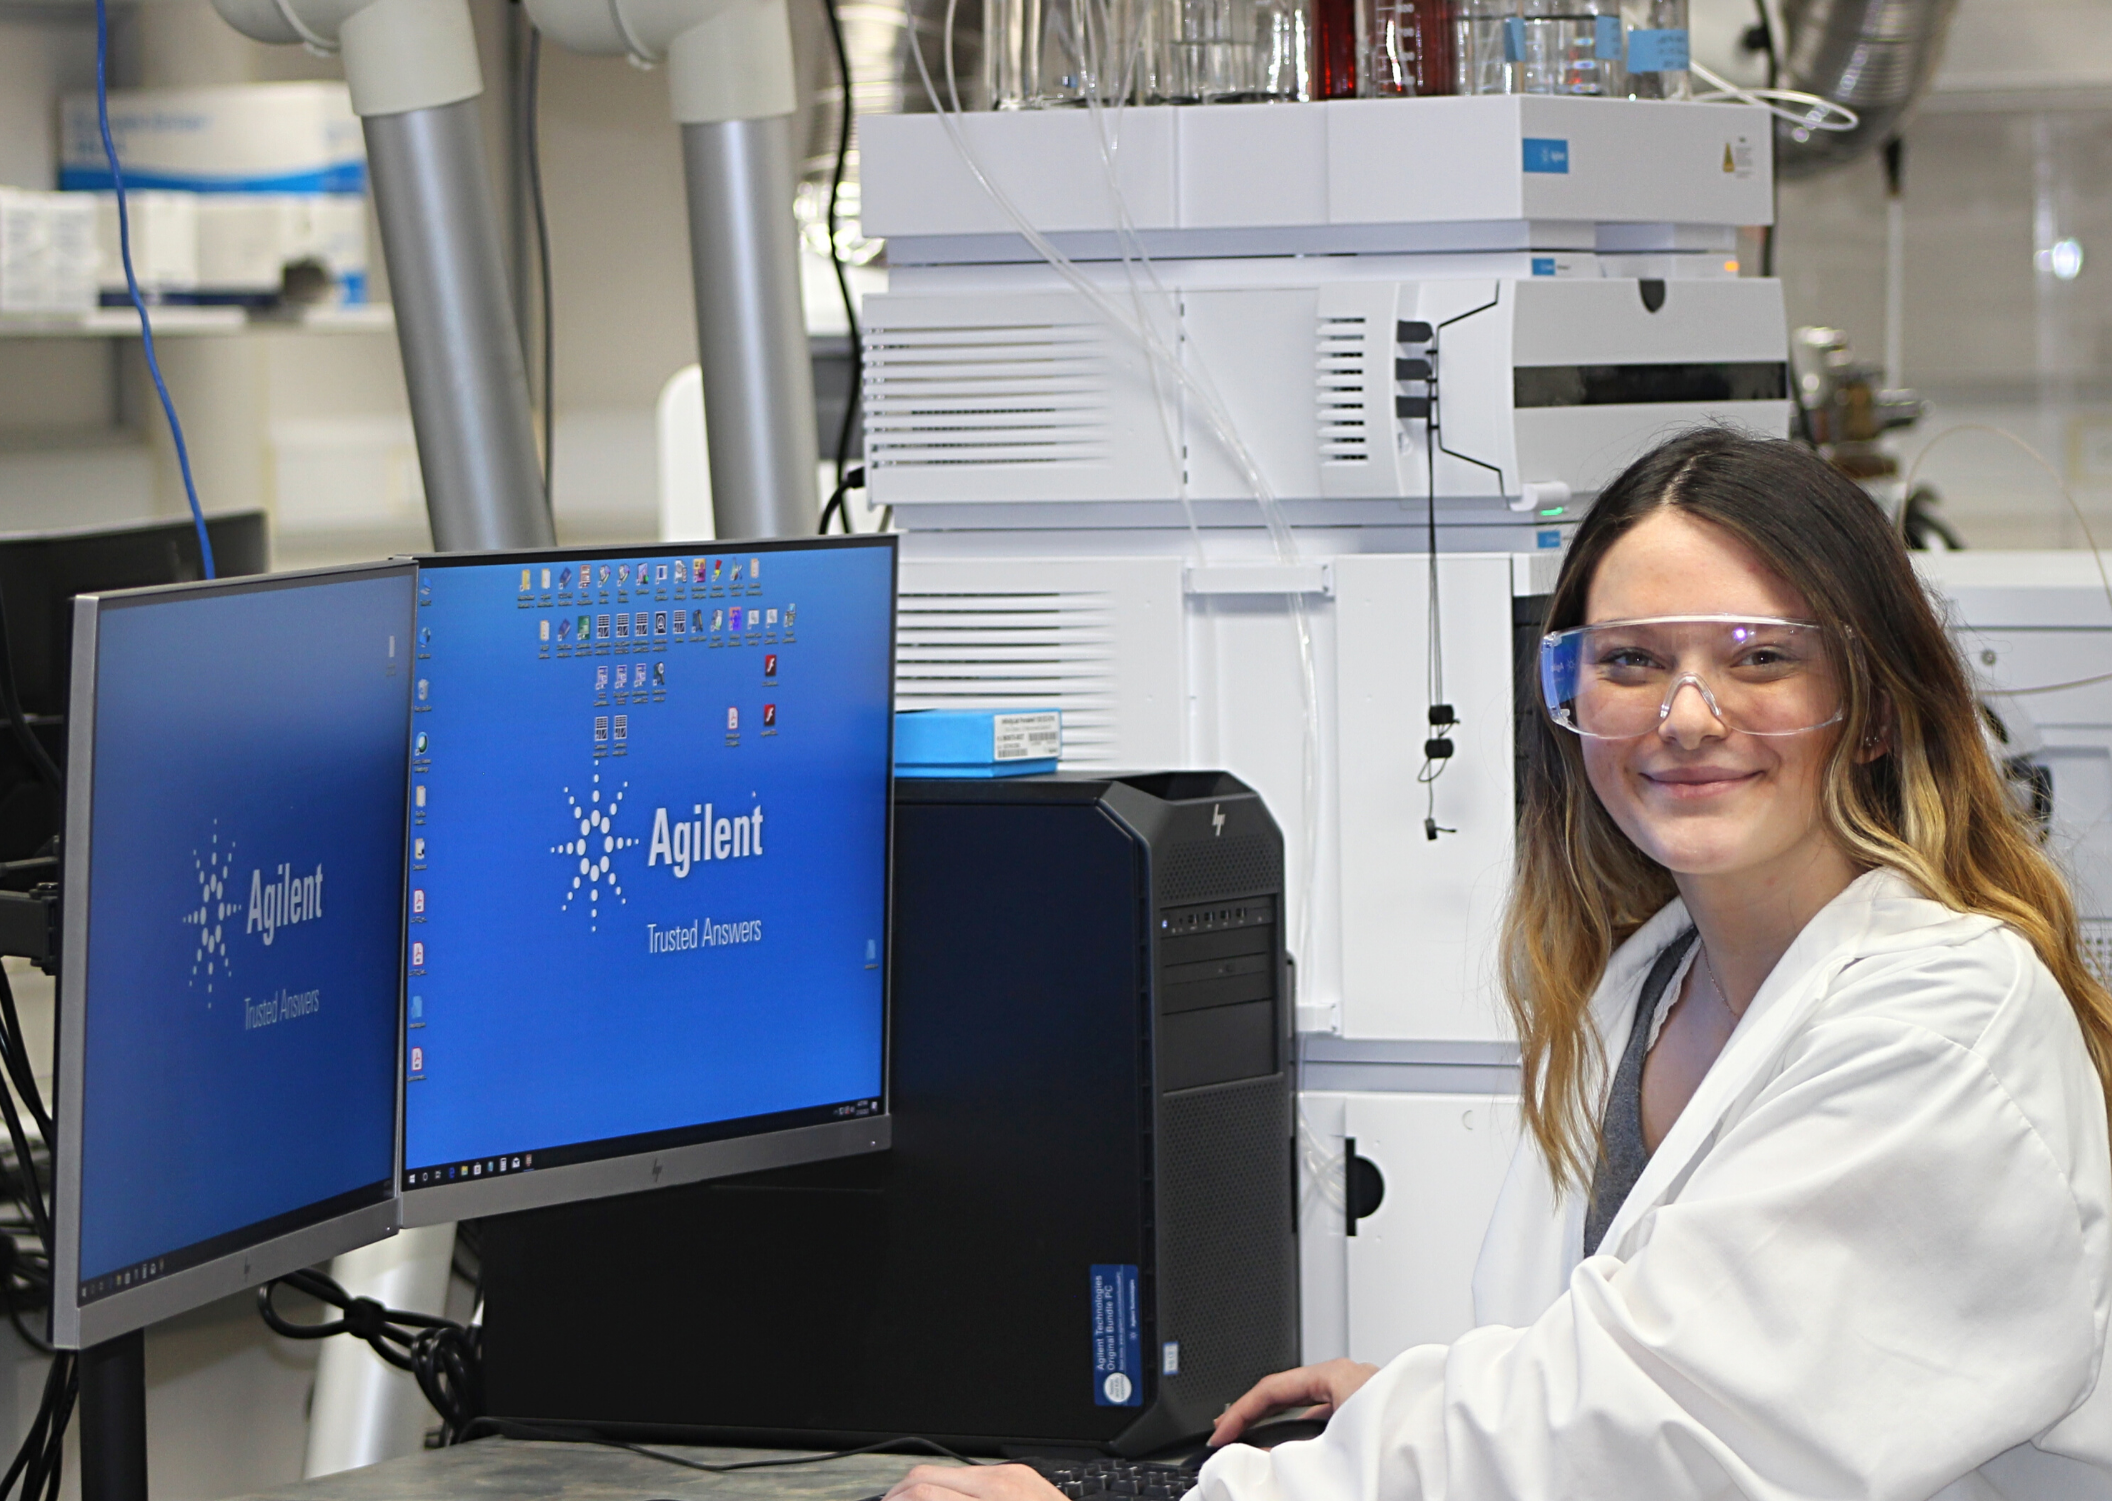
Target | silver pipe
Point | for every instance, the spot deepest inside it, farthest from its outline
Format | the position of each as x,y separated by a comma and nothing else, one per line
751,327
1875,56
454,322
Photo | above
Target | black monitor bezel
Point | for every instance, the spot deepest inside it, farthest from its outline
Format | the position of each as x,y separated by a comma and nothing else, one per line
719,1148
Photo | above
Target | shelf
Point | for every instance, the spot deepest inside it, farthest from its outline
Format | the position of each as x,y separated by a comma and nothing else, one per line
174,321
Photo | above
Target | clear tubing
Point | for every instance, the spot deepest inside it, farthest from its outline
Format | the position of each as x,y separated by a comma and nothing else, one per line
1219,423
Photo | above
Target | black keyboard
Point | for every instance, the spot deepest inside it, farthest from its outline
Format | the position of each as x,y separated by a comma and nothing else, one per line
1093,1479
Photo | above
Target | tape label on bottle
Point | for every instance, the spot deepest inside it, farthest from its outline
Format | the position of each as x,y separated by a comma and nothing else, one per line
1663,51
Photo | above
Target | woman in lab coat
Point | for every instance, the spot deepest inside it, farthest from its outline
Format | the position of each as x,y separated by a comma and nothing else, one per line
1814,1197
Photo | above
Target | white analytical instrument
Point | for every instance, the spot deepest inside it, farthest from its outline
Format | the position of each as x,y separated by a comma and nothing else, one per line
1110,335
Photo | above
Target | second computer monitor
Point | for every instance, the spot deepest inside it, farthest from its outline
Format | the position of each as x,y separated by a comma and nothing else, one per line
648,882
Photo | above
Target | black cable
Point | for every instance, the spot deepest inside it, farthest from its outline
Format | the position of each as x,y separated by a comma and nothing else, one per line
855,480
843,280
531,141
446,1358
582,1434
14,1052
39,758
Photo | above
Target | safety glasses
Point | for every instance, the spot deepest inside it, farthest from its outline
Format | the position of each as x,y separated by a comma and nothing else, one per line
1623,678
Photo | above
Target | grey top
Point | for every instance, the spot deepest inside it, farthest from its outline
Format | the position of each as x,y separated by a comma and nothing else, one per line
1624,1156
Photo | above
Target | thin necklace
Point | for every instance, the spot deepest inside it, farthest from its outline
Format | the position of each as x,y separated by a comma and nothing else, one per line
1723,997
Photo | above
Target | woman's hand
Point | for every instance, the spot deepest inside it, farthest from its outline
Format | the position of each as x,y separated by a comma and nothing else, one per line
973,1483
1328,1385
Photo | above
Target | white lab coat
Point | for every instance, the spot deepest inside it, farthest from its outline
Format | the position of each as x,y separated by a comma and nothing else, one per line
1869,1260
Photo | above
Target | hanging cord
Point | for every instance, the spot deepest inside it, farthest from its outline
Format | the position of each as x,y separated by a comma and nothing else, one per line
532,149
581,1434
843,278
854,480
447,1358
139,305
1813,112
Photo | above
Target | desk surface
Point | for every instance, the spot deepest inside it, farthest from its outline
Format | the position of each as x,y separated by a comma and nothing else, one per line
507,1470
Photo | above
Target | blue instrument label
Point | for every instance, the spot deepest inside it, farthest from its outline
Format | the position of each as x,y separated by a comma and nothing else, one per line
1546,154
1117,1338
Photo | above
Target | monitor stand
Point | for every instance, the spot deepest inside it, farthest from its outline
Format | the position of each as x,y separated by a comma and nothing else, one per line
113,1407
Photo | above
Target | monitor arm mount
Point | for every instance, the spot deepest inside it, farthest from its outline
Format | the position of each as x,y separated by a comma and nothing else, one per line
413,71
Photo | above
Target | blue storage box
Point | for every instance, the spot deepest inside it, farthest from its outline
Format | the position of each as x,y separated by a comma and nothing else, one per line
977,742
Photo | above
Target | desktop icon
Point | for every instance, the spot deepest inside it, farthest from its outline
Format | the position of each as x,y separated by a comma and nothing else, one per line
542,630
417,1008
546,578
418,849
425,635
601,627
623,674
681,622
525,588
717,567
659,622
733,618
680,570
417,1060
733,574
623,574
420,796
623,725
601,677
601,728
696,570
604,575
564,629
581,630
419,743
718,620
770,617
769,716
733,718
638,624
417,899
789,609
423,684
659,674
659,573
623,627
564,578
770,664
418,954
755,569
696,620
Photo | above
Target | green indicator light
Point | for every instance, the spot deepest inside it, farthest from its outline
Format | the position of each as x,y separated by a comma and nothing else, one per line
1552,510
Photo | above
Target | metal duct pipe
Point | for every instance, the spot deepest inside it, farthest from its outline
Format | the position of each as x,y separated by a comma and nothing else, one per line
1875,56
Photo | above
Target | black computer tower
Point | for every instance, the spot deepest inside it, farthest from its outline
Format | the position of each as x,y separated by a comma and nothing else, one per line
1090,1071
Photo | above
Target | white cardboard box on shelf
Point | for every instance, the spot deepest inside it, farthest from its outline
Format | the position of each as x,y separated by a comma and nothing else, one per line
164,234
47,252
248,138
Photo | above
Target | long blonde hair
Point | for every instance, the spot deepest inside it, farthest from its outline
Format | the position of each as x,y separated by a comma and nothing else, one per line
1933,807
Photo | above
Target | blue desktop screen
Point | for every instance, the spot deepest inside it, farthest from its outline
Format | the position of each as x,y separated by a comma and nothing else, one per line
648,870
244,917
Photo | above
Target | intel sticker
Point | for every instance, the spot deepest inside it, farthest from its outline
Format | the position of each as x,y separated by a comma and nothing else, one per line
1118,1352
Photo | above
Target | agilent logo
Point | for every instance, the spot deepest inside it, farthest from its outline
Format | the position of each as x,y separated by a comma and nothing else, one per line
590,855
682,843
211,911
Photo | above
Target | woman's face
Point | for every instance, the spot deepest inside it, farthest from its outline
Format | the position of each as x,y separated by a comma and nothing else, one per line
1696,795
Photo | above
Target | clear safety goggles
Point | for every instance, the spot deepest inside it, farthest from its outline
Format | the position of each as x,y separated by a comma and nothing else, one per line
1621,678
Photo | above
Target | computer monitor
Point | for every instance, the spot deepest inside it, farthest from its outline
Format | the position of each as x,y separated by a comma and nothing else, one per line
647,935
40,573
232,927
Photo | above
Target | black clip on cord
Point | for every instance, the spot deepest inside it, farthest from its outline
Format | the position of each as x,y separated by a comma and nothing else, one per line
446,1358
